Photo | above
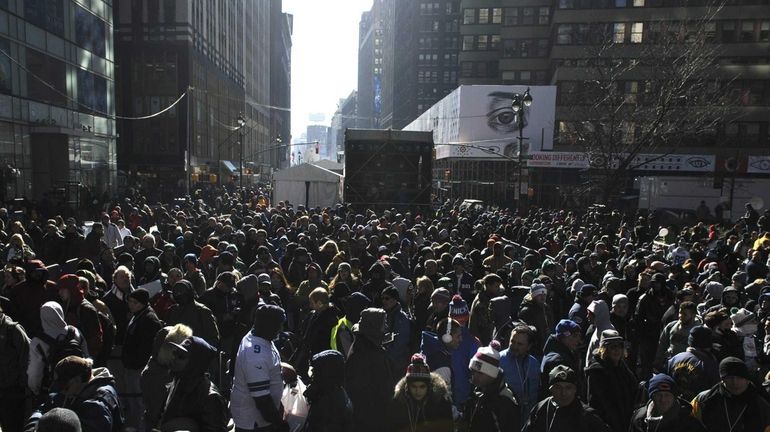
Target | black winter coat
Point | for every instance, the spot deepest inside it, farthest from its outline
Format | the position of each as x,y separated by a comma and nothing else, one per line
140,335
545,416
369,384
680,420
493,409
612,392
432,414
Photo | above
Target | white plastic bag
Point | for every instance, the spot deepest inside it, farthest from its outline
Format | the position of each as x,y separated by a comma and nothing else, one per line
295,406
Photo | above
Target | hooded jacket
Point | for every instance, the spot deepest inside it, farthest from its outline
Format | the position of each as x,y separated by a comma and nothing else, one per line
140,336
54,326
330,406
601,323
80,313
432,414
27,297
369,392
97,405
196,316
192,395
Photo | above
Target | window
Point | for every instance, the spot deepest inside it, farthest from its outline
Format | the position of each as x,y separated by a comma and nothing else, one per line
764,31
711,31
638,3
497,15
619,33
637,30
545,16
468,42
528,16
482,42
5,67
747,31
631,90
509,76
466,69
564,34
525,77
566,4
511,16
51,71
483,16
46,14
469,16
510,48
449,8
542,48
620,3
728,31
494,42
89,31
92,91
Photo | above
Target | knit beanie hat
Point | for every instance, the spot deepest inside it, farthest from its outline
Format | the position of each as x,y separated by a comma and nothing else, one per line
619,298
372,324
418,369
227,278
566,327
586,290
487,360
537,289
661,382
742,317
700,337
610,336
141,295
391,291
562,373
268,321
440,294
733,366
458,309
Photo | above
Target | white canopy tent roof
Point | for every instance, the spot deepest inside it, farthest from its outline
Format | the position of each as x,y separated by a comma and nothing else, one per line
308,185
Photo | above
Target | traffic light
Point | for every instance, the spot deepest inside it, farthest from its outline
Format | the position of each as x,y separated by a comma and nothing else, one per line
317,147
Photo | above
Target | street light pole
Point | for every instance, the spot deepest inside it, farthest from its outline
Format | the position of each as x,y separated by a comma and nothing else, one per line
520,101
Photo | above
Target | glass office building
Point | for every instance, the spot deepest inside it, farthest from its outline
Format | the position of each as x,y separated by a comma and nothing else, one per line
57,127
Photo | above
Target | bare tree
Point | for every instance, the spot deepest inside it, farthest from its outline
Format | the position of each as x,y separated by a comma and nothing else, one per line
639,98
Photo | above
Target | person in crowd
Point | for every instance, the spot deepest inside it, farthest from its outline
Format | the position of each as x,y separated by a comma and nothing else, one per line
369,392
55,334
156,376
673,338
666,411
563,410
695,369
480,323
492,405
460,281
342,334
521,370
194,402
599,317
537,313
14,357
330,407
611,386
59,420
400,325
257,384
224,302
734,403
89,392
561,348
193,274
421,401
80,313
191,313
141,331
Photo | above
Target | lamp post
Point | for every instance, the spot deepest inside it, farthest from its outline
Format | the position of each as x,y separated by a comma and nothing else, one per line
518,105
241,124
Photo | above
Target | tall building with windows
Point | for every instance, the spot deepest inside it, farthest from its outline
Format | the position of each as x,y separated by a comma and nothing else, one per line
408,59
220,53
554,42
57,105
344,118
282,27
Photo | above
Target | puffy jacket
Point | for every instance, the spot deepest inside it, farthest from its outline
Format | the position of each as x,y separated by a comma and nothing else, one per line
199,318
432,414
523,378
576,417
673,340
538,316
369,392
330,406
96,405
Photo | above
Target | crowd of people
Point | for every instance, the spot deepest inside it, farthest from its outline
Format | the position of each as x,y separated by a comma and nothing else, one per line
235,313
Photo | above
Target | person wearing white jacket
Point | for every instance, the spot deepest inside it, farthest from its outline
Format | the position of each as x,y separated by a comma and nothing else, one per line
54,326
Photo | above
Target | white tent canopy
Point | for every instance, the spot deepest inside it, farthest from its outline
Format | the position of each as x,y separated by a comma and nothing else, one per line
307,185
330,165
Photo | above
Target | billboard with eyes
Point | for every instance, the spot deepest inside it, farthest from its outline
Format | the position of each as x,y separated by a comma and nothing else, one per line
479,122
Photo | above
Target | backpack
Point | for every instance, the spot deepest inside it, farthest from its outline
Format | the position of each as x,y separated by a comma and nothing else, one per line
68,344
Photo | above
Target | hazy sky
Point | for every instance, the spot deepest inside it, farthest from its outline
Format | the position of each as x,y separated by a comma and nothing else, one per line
324,63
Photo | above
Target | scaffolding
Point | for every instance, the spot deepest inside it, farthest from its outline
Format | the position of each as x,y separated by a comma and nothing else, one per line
492,181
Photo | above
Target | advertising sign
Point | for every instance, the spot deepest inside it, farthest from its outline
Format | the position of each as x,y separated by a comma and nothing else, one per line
478,122
642,162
